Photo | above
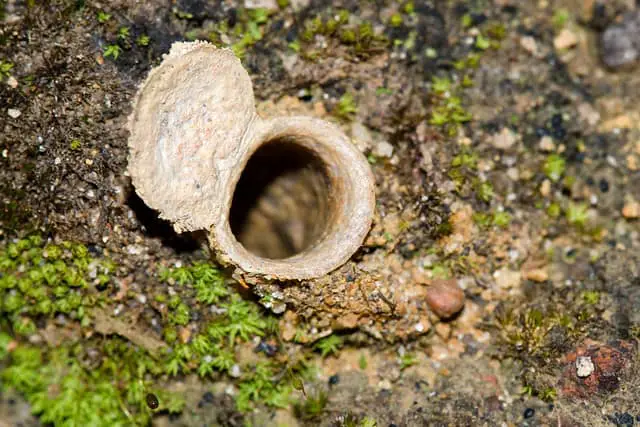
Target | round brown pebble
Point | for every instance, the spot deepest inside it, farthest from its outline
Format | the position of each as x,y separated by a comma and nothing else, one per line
445,298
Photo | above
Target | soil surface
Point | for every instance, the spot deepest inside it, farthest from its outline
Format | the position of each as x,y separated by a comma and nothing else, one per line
504,137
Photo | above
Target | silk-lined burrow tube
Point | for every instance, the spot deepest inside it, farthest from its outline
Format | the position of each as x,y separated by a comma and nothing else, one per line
284,198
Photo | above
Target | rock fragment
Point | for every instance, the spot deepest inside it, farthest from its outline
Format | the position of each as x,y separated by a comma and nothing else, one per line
620,42
14,113
631,210
504,140
565,40
445,298
584,366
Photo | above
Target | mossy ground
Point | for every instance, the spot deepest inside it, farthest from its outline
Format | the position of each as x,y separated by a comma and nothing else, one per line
512,162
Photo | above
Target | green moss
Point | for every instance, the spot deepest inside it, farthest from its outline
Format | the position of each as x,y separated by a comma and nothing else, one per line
123,34
554,210
180,315
466,21
346,107
396,20
409,8
329,345
103,17
258,385
497,31
5,69
312,406
249,26
143,40
498,218
63,391
501,219
591,297
482,43
362,362
348,36
560,18
407,360
484,191
465,159
368,422
360,39
554,167
577,214
38,279
112,51
448,112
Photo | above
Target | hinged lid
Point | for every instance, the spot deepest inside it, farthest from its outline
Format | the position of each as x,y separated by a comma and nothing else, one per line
191,113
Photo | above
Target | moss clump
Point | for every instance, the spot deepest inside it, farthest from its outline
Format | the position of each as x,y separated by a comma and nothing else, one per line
40,279
359,39
241,32
66,387
463,167
312,406
554,167
346,107
447,112
212,351
577,214
499,219
329,345
110,378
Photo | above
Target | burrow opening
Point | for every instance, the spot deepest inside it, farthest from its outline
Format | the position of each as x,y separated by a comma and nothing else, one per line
282,203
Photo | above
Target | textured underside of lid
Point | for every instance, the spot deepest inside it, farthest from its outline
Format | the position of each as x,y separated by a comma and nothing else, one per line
187,127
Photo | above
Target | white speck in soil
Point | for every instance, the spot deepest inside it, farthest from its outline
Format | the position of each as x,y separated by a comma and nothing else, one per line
14,113
118,309
235,371
584,366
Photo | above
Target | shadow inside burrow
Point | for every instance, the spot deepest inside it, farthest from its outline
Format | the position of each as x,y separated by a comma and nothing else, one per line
155,227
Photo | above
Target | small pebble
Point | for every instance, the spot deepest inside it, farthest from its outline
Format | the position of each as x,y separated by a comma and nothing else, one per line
631,210
565,40
619,43
504,140
546,144
383,149
584,366
12,82
529,44
235,371
14,113
445,298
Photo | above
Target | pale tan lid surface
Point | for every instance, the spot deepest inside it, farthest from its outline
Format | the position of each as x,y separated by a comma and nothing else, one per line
188,123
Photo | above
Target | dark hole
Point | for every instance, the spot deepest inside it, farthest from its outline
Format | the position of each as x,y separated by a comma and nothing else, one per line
281,202
159,228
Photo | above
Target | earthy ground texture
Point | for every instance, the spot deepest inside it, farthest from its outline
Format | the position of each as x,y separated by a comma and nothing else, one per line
504,137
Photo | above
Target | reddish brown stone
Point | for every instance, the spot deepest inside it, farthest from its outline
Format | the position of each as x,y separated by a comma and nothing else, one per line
609,361
445,298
